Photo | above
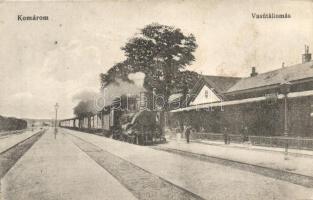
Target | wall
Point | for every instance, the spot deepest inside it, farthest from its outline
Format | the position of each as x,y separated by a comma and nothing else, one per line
261,118
202,98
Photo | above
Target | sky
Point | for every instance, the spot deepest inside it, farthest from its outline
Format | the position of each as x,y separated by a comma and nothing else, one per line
44,62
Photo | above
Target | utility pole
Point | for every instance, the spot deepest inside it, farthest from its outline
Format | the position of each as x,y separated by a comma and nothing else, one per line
56,106
285,89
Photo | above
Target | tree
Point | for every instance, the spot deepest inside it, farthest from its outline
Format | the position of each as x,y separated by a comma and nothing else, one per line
186,80
161,52
85,109
118,71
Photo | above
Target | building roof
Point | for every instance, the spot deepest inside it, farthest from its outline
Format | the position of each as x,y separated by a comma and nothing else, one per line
243,101
291,73
219,85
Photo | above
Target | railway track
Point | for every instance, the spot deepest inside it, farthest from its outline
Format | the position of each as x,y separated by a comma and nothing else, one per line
143,184
299,179
11,155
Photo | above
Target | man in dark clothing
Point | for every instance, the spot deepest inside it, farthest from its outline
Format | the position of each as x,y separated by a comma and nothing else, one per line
226,136
244,134
187,133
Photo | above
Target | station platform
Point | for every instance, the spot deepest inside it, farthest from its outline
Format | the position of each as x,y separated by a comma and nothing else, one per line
298,161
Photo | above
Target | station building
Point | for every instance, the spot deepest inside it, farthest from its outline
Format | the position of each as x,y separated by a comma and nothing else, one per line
265,104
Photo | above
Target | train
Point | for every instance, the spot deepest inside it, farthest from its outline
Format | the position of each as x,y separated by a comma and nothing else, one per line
128,118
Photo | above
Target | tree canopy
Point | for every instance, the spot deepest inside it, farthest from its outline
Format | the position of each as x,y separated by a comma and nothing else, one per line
11,123
161,52
85,109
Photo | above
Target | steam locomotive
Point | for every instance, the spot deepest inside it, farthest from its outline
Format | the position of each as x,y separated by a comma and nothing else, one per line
129,118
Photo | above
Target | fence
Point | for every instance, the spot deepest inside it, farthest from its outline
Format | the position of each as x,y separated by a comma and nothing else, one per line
293,142
216,136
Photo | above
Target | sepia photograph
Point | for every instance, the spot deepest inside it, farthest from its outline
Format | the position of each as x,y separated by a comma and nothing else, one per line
156,100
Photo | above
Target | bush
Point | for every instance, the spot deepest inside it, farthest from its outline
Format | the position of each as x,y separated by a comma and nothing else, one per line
11,123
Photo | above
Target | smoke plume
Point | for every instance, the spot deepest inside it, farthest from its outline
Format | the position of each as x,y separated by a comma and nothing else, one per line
116,90
91,102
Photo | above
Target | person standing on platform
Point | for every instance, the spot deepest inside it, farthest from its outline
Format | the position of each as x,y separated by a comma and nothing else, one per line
187,133
244,133
226,137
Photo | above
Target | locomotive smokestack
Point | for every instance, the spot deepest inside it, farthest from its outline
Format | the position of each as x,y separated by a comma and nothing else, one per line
306,57
253,72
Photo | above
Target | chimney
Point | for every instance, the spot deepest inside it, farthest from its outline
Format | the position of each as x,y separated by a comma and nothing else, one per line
306,57
253,72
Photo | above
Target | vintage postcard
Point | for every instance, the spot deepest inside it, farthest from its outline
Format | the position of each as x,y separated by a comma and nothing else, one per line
156,100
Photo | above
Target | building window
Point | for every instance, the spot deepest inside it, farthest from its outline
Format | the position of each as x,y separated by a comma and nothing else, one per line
206,93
